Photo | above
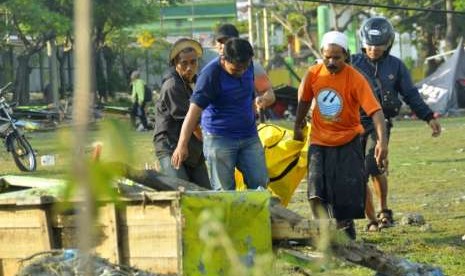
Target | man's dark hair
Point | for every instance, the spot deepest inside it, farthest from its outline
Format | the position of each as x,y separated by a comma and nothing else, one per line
237,50
226,31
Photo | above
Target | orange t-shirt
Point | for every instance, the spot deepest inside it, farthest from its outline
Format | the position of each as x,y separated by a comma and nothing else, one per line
338,98
262,83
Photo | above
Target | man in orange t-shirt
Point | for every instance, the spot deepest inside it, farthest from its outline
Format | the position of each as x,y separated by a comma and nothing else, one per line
336,177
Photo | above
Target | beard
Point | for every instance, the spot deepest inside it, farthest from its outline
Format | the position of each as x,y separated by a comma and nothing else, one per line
332,68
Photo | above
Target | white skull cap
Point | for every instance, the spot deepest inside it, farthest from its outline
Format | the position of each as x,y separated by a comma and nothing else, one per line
334,37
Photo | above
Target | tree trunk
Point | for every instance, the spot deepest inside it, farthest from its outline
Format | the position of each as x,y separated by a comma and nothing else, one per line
429,49
451,27
100,76
369,256
21,93
109,59
61,57
53,71
70,84
2,70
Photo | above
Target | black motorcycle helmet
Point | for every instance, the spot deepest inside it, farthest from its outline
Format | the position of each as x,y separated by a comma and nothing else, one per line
377,31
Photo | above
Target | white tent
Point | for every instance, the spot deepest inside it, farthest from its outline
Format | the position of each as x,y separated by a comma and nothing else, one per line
444,90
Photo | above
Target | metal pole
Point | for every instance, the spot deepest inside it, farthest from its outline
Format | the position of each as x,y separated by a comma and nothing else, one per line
192,19
266,42
258,42
161,16
250,20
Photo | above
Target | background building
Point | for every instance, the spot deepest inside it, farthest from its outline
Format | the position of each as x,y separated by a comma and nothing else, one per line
196,19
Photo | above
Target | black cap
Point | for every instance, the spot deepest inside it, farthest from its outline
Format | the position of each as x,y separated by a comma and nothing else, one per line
226,31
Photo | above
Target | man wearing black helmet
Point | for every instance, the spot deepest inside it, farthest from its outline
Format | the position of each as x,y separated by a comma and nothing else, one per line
390,78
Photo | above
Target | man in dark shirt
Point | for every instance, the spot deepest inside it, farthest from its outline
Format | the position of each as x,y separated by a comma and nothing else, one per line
390,78
171,110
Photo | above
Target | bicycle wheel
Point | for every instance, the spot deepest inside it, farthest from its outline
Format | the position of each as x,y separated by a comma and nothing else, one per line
22,152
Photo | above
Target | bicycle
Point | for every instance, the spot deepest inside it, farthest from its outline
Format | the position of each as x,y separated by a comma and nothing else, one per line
14,140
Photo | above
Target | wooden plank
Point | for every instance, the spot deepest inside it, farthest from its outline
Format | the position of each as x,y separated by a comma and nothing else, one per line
149,242
28,238
16,217
283,230
146,232
150,214
305,229
31,181
159,266
22,242
149,236
153,196
106,227
27,200
108,246
176,206
10,267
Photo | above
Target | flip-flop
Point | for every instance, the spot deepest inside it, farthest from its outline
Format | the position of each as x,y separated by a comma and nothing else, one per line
372,226
385,219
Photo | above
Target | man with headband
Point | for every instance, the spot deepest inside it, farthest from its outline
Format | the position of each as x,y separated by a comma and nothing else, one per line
336,178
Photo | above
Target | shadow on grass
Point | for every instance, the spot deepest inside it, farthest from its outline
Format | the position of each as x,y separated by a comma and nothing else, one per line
447,160
452,240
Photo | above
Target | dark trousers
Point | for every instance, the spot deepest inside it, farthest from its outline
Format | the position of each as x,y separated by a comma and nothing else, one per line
138,110
336,177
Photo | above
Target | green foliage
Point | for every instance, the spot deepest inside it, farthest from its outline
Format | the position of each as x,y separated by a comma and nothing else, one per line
296,20
459,5
40,16
112,137
117,14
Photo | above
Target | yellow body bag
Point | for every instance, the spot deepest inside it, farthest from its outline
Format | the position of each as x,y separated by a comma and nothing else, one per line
286,160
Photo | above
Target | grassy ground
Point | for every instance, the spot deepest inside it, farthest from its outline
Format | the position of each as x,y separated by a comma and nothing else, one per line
427,176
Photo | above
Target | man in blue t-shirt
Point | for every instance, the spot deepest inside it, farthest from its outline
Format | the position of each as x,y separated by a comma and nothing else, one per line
224,97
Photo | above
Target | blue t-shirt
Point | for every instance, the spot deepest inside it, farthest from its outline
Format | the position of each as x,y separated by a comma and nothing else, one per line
227,101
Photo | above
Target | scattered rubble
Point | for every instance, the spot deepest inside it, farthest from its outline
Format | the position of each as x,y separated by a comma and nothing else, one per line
412,219
69,263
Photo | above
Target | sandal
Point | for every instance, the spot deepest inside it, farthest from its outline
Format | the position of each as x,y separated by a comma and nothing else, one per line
372,226
385,219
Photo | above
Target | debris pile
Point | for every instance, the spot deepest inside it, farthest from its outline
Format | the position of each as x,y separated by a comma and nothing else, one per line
69,263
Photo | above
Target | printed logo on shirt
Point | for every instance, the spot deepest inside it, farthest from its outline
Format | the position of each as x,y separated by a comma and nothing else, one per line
329,103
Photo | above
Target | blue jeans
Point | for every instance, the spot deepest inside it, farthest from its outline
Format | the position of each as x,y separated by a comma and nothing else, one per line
197,174
223,154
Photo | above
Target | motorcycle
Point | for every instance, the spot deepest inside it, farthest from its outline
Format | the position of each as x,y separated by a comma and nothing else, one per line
14,140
